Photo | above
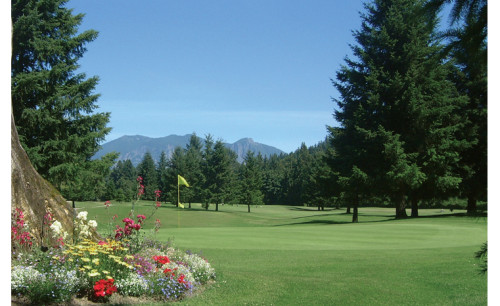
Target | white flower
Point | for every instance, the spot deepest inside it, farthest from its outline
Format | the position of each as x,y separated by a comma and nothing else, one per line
56,227
82,215
93,223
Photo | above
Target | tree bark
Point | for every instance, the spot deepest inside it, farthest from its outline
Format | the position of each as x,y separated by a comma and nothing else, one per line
217,206
348,209
471,204
414,207
35,196
355,210
401,207
248,207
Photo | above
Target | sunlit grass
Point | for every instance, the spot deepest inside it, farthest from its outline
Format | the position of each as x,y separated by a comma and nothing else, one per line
284,255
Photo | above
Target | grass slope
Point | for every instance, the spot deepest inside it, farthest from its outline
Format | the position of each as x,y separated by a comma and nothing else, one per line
283,255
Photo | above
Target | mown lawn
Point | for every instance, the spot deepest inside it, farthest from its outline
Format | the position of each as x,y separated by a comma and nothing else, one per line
283,255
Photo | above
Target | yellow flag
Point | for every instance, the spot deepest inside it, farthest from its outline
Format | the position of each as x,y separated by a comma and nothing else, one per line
181,205
182,181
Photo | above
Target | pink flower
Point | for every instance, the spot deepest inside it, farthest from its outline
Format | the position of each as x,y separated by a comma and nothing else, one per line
158,204
128,221
107,203
102,242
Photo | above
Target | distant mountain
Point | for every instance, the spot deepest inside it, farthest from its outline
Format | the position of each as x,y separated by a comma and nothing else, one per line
134,147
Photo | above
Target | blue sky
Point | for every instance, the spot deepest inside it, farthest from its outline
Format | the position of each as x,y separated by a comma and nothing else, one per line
233,69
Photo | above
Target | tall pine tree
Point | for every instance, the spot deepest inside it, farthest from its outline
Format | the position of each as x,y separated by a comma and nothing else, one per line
147,170
398,111
53,105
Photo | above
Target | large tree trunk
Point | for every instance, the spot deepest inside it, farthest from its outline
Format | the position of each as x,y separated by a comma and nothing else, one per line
217,206
471,204
35,196
401,207
414,207
355,209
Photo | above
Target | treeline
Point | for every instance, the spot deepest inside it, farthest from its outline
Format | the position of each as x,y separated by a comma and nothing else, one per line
412,117
216,177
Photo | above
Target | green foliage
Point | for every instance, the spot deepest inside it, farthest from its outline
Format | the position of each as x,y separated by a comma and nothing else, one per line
53,106
251,180
399,114
147,170
482,255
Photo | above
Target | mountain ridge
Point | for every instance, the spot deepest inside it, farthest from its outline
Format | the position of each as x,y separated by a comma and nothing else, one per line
134,147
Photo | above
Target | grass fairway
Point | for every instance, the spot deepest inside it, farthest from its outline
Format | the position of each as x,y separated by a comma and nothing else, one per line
283,255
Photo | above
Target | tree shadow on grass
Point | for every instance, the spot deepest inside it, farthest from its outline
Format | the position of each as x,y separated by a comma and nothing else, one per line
310,222
310,209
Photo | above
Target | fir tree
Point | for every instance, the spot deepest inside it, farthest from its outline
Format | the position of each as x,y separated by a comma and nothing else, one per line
251,180
193,174
53,106
398,111
147,170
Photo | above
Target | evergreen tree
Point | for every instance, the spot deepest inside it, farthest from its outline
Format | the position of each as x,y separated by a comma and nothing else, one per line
123,181
251,179
162,175
468,49
398,111
89,179
193,174
54,106
221,173
301,164
176,166
208,172
147,170
273,180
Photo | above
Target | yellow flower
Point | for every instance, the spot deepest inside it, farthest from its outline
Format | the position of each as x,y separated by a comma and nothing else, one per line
70,259
81,269
94,274
85,259
105,272
93,253
109,277
88,267
95,261
129,256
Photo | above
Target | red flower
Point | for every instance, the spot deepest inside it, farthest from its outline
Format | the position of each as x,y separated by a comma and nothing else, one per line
107,203
158,204
104,287
181,279
161,259
102,242
167,270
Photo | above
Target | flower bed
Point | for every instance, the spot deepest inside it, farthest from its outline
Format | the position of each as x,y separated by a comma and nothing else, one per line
123,265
